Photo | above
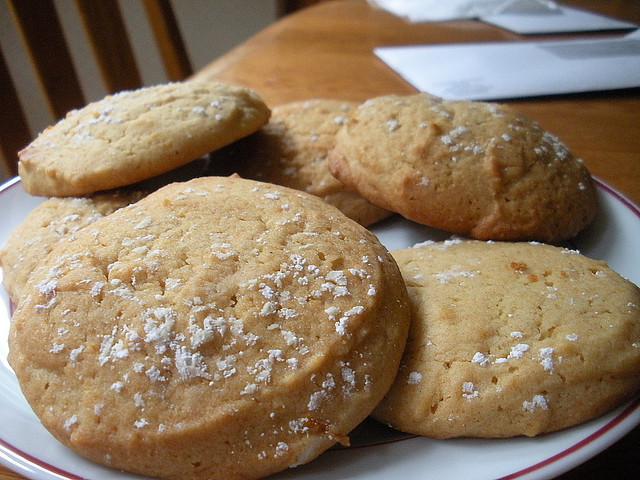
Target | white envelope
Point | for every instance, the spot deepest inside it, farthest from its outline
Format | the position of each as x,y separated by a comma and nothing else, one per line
501,70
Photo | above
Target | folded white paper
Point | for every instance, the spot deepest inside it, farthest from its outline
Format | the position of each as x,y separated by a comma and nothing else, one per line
491,71
560,20
520,16
442,10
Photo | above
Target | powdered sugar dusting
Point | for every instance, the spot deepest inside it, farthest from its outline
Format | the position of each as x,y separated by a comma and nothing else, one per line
175,326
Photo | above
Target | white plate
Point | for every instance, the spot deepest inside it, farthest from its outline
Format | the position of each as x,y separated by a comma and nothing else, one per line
379,453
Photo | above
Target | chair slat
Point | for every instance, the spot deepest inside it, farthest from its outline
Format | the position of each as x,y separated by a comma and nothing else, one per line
170,43
44,39
110,43
14,134
285,7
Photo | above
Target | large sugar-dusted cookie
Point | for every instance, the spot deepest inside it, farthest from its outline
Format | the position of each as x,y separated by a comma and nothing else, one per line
512,339
472,168
218,328
137,134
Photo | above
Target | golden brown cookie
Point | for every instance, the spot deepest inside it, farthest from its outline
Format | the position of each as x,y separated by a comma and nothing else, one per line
218,328
137,134
472,168
511,339
292,149
53,221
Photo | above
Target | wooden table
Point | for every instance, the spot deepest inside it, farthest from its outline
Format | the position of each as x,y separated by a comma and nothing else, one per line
326,51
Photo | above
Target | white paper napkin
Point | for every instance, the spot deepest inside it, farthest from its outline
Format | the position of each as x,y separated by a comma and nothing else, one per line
561,20
520,16
443,10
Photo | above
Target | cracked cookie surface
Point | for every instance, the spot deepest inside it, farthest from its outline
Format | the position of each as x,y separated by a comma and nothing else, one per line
136,134
511,339
53,221
472,168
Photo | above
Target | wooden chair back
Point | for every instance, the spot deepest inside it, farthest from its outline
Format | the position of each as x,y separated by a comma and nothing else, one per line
286,7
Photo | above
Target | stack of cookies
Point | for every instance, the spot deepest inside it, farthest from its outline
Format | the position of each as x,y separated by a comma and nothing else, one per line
202,298
216,327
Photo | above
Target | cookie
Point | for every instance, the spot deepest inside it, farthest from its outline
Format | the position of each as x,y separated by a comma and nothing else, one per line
292,149
476,169
53,221
137,134
511,339
218,328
